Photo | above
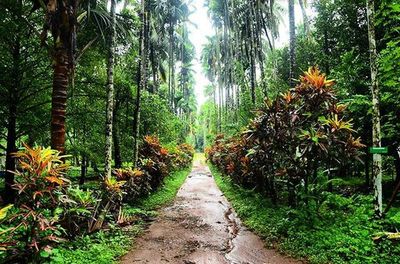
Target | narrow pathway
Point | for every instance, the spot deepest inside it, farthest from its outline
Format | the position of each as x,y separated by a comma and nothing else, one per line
200,227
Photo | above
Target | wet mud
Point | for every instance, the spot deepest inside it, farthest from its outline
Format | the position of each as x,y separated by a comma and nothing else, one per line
200,227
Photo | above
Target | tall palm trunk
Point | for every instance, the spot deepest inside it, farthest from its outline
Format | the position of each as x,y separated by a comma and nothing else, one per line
260,53
292,43
171,66
143,77
110,93
59,99
376,125
116,134
61,18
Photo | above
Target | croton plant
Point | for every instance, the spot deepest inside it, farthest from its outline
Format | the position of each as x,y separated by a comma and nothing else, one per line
302,132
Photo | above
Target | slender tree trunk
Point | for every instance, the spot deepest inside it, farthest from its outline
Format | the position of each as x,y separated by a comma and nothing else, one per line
110,93
260,52
292,43
9,192
117,148
143,76
305,17
171,77
220,83
154,66
253,76
376,119
83,169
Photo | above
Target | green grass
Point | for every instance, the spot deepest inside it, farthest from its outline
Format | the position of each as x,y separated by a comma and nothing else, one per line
108,247
167,192
338,230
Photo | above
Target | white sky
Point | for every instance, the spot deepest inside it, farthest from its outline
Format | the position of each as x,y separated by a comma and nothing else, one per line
199,33
198,36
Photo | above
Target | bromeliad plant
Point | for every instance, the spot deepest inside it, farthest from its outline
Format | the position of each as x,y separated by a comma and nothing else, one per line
301,132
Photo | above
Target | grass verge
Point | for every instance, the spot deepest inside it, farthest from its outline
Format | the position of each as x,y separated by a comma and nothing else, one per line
107,247
338,230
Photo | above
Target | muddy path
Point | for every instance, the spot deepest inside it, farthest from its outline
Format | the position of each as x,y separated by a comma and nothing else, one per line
200,227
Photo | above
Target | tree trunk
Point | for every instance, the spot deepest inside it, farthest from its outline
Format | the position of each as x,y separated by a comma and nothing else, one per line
59,99
143,77
171,66
63,20
9,192
292,43
376,119
117,148
154,67
305,18
83,169
110,94
253,76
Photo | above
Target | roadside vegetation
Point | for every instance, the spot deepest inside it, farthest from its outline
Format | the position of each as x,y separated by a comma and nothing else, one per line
52,215
99,122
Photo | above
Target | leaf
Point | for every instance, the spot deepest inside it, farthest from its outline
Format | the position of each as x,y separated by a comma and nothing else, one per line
54,179
3,211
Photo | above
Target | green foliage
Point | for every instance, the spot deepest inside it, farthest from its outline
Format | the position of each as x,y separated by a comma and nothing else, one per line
49,208
162,123
102,247
291,138
35,223
109,246
340,230
167,193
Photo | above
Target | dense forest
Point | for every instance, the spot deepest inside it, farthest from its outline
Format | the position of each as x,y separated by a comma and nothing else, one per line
100,119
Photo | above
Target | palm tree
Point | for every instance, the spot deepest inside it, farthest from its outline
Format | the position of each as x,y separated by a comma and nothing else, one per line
376,125
144,41
292,43
61,21
110,92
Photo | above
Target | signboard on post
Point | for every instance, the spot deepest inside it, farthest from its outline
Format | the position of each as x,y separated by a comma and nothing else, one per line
378,150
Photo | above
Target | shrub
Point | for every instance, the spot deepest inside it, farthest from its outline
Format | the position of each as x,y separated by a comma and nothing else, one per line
49,209
301,132
34,226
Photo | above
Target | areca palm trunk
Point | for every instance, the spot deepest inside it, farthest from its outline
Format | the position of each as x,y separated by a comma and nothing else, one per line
110,94
253,76
144,38
116,134
292,43
376,125
171,66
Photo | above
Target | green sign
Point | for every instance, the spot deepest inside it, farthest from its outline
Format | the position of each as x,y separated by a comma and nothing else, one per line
378,150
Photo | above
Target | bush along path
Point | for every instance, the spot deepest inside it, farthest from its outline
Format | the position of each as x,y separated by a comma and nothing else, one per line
56,220
200,227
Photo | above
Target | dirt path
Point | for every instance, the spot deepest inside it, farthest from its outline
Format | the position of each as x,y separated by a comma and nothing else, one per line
200,227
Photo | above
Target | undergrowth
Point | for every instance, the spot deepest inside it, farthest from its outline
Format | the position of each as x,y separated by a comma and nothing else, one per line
108,246
339,230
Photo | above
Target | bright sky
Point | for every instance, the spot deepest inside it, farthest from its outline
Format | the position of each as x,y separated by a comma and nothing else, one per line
198,36
204,28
